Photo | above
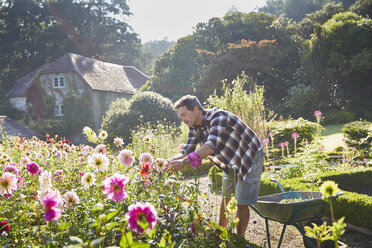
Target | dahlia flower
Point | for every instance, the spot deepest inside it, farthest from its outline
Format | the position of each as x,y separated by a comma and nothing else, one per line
12,168
118,141
71,199
88,179
4,227
146,158
160,164
51,205
8,183
24,161
98,161
45,181
114,186
142,217
126,157
101,148
102,135
145,169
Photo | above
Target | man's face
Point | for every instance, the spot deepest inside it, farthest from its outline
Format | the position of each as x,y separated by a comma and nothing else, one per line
189,117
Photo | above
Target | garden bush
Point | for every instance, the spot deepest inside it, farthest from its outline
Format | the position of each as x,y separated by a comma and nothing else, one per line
337,117
124,116
357,208
282,131
358,134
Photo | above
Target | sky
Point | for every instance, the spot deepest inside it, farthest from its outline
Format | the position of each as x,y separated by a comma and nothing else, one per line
173,19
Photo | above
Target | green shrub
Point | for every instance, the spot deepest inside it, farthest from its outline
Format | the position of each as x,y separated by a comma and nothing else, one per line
357,208
358,134
337,117
282,131
152,107
123,116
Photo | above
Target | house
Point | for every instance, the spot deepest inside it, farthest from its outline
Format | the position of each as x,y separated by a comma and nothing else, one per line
100,82
12,128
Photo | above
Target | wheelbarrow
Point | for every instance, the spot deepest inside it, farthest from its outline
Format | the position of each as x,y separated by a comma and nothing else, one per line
309,208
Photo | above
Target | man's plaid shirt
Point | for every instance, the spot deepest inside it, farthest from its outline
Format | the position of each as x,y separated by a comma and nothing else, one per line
233,142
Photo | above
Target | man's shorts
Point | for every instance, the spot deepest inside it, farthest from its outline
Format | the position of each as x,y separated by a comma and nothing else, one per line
246,191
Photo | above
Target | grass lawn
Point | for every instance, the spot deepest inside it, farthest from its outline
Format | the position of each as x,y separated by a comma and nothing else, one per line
332,136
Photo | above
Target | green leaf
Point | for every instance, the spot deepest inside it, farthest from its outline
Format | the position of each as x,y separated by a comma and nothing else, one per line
97,242
63,226
111,225
76,239
126,240
112,214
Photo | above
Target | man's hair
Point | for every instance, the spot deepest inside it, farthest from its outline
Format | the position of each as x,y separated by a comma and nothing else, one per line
189,101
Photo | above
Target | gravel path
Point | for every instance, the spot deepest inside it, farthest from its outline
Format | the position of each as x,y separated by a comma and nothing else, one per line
256,232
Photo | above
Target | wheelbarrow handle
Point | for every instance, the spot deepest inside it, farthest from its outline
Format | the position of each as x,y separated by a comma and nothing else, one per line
280,186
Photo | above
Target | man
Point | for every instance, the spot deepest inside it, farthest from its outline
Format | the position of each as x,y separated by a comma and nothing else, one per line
229,143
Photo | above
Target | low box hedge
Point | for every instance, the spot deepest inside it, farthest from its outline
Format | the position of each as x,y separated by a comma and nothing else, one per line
357,208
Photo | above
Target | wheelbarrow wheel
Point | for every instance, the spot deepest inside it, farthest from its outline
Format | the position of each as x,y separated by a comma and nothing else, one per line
325,244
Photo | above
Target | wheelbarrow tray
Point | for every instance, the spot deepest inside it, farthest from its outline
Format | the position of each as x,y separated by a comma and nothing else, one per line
311,206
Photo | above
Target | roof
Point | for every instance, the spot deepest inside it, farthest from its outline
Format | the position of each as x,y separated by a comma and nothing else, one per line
99,75
13,128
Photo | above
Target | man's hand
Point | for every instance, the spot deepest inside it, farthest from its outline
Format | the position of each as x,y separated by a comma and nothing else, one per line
176,165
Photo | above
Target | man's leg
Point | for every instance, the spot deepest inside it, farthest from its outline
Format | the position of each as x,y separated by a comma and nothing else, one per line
223,219
243,215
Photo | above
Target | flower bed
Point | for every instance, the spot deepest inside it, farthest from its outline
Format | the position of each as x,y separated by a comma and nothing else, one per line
57,194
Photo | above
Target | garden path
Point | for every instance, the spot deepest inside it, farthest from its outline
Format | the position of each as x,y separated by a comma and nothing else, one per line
256,232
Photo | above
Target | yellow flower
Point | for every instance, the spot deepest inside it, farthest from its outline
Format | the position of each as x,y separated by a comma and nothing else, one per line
329,188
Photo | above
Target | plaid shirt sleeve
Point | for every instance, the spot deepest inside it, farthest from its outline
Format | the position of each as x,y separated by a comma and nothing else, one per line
191,142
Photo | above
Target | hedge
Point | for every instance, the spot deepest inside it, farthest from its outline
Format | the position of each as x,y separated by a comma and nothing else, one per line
357,208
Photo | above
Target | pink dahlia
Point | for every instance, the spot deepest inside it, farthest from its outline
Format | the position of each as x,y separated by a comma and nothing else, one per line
19,182
142,217
51,205
58,176
4,227
146,158
33,168
114,186
12,168
126,157
100,149
8,183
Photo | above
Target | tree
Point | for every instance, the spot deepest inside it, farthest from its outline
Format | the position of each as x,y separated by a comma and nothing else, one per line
294,9
318,17
363,8
178,71
341,52
151,50
37,32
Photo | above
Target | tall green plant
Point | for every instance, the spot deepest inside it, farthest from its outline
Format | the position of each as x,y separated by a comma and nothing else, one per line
248,106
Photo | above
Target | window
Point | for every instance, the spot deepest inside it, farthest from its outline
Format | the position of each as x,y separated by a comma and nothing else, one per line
58,82
58,110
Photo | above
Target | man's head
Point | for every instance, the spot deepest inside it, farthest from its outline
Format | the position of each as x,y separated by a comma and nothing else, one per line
189,110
